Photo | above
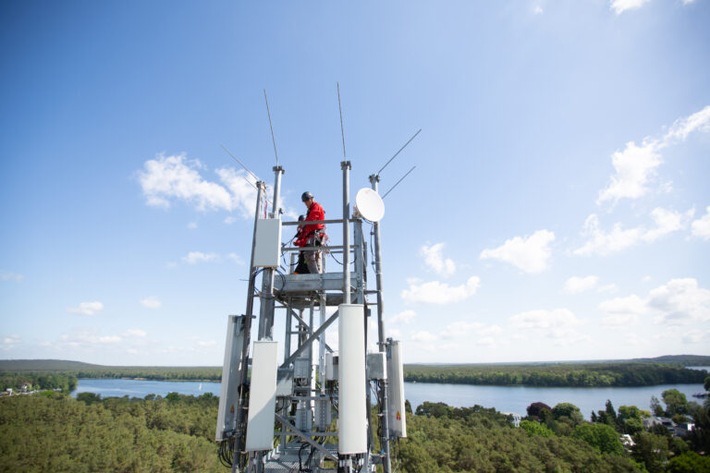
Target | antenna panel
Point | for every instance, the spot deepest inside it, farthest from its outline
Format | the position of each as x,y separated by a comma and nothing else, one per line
267,248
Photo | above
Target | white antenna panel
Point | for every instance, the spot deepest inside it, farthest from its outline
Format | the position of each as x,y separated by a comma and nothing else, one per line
369,204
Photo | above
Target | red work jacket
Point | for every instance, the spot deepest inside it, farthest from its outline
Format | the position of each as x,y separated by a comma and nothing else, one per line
315,212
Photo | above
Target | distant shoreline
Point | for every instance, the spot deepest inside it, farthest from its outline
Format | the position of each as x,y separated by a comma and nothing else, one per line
615,373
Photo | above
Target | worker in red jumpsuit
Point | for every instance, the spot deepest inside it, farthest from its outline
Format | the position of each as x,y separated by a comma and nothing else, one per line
313,233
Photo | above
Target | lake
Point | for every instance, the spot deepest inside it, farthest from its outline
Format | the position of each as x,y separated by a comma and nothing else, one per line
503,398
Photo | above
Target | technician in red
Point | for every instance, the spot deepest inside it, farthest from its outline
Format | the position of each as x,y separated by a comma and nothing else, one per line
313,233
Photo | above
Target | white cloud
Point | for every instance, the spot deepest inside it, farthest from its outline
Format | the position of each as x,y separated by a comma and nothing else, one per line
620,6
618,238
9,342
701,227
529,254
405,316
557,325
701,337
555,319
195,257
486,342
634,167
436,292
235,258
490,330
10,276
87,308
173,177
136,333
460,329
423,336
577,284
699,121
151,302
622,310
434,259
603,243
667,221
243,189
169,178
482,333
395,333
680,301
88,339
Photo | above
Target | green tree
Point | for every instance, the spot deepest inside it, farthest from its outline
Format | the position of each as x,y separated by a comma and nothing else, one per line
689,462
651,450
700,436
434,409
676,402
88,398
602,437
568,412
656,407
535,428
630,419
58,433
608,416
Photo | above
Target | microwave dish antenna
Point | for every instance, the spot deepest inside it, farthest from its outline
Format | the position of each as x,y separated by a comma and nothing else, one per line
369,204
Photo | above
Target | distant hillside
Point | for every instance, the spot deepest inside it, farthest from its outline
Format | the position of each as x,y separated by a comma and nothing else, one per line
685,360
88,370
46,365
677,360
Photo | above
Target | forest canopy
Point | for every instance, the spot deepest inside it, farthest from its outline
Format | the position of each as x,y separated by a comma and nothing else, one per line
598,374
54,432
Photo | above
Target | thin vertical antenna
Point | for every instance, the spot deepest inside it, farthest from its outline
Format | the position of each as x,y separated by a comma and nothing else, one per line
273,138
342,130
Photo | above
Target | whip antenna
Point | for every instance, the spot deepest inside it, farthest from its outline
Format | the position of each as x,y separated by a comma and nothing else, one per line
254,176
400,150
273,138
396,183
342,130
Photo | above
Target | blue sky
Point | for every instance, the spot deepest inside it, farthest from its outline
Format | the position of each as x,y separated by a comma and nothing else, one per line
559,209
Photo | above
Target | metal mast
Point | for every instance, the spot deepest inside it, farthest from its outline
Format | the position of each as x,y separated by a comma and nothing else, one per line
310,411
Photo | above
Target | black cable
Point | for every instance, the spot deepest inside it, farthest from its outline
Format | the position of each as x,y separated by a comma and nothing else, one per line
282,276
226,447
300,462
257,292
310,457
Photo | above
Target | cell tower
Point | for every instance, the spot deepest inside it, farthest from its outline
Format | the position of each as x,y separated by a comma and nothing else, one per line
315,409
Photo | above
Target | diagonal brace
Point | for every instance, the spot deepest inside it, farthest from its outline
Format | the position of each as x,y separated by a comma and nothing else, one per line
314,336
300,319
304,437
